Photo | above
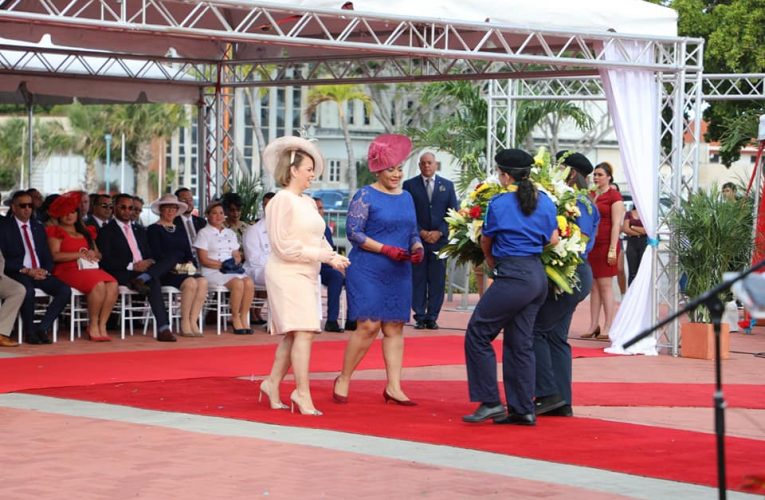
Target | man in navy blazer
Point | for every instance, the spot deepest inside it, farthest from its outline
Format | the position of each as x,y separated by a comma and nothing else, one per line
138,271
433,197
28,260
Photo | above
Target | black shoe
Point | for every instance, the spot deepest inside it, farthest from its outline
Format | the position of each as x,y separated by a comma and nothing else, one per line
431,324
419,325
332,326
166,336
242,331
139,286
546,404
517,419
34,339
350,326
258,321
43,337
563,411
484,412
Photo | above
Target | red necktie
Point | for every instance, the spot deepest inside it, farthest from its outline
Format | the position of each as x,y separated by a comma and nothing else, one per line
30,249
132,244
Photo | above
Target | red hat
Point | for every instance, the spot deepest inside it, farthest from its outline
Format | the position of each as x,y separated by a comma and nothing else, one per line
65,204
388,150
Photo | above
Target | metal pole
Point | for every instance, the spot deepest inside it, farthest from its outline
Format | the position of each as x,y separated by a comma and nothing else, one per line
122,165
108,139
30,144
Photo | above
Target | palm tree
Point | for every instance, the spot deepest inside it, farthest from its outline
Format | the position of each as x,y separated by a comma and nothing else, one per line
548,117
141,123
341,95
89,124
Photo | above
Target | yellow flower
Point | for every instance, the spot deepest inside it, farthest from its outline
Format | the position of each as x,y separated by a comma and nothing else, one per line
562,223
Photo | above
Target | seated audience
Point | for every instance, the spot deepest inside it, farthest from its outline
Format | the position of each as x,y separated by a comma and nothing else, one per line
170,244
28,261
73,246
232,208
221,261
256,250
11,297
102,211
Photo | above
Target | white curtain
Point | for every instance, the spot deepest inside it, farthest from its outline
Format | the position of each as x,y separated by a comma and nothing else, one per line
632,102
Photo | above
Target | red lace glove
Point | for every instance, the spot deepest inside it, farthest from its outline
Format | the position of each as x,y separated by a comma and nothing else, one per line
418,255
394,253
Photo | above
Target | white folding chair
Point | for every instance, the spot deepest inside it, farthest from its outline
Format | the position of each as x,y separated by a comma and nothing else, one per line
134,306
222,306
173,300
78,313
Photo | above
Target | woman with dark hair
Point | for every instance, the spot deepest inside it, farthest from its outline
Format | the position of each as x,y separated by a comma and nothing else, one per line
604,257
42,213
232,208
517,225
76,256
382,226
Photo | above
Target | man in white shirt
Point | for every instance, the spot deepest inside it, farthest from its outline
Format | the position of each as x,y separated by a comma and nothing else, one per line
256,247
103,209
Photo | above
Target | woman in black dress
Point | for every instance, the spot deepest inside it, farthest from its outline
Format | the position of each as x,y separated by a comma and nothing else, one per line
168,243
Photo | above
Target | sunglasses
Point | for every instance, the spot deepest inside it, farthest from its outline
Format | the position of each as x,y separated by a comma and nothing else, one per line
105,205
25,205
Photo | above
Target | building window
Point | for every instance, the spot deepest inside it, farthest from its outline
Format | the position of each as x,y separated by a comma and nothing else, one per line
367,115
333,172
714,158
752,159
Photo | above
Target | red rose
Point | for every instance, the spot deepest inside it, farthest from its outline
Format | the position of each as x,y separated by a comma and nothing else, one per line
475,212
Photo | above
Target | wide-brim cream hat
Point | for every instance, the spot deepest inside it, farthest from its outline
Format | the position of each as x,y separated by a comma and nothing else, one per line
168,199
277,147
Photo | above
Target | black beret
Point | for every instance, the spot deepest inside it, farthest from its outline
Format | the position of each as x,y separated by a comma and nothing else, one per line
577,161
513,158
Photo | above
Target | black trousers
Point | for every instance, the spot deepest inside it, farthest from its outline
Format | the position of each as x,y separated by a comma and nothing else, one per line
635,248
428,286
551,348
57,289
510,304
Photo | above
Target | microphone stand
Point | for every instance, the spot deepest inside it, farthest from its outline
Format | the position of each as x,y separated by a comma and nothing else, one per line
711,300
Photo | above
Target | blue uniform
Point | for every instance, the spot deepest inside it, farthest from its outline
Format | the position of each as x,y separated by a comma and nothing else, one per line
333,280
511,303
551,348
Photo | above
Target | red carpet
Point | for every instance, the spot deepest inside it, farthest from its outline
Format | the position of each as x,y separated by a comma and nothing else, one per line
649,451
172,364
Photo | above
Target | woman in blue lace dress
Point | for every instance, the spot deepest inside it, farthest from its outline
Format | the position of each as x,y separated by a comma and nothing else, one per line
382,227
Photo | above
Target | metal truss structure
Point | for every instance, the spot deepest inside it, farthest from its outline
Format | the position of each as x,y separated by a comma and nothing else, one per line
214,45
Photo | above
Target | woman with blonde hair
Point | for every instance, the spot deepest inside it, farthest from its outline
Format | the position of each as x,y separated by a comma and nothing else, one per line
167,243
221,261
298,248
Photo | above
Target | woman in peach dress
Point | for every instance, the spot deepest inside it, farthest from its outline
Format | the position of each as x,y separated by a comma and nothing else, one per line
298,247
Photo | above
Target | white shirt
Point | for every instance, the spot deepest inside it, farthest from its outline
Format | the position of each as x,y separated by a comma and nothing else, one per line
256,250
220,245
27,257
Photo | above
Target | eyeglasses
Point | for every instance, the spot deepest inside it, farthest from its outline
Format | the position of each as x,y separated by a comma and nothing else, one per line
105,205
25,205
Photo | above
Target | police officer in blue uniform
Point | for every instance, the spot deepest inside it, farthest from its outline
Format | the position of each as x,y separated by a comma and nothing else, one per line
551,347
517,226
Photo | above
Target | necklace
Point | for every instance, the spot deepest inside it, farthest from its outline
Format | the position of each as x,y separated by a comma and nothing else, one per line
169,229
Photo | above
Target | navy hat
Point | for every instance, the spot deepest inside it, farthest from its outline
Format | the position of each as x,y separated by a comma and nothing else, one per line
513,158
577,161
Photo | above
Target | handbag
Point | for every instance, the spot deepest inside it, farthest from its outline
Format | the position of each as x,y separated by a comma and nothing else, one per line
83,263
231,267
185,268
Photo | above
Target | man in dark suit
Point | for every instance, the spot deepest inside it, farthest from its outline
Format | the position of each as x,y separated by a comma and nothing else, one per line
126,256
103,209
28,260
189,223
333,279
433,197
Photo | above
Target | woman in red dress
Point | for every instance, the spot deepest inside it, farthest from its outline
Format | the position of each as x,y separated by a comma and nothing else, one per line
604,255
69,240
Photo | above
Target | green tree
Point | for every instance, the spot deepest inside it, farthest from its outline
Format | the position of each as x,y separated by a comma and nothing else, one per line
547,116
49,137
340,95
141,123
734,31
89,124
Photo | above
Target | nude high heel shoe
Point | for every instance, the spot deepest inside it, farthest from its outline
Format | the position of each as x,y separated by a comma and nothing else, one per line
294,402
277,405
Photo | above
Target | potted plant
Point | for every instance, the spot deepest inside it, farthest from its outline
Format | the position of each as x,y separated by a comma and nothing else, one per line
712,236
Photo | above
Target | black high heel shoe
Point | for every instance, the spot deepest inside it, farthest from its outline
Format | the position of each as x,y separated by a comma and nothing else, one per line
402,402
593,334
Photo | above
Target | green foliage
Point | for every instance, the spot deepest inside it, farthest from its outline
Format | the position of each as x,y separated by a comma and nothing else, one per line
49,137
548,115
734,31
251,191
711,236
460,130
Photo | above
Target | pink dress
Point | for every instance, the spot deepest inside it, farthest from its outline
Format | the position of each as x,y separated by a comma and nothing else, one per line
82,279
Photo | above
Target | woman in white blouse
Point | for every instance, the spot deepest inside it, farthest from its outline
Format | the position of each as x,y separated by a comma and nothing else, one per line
216,244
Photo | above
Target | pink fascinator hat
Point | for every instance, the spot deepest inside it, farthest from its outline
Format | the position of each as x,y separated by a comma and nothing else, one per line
388,150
